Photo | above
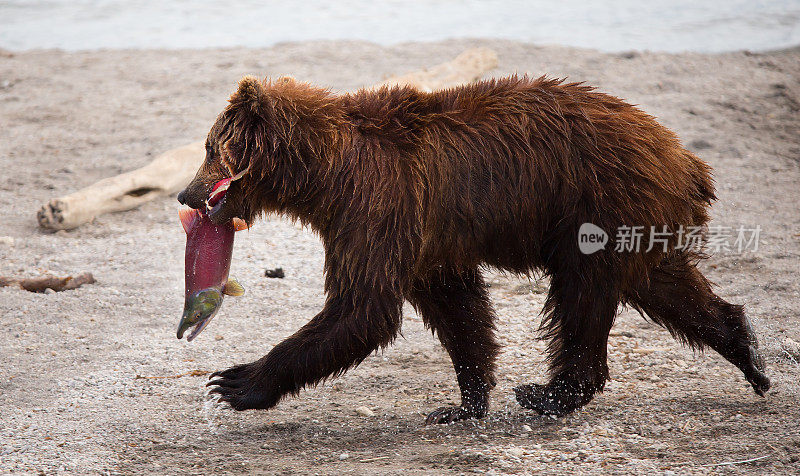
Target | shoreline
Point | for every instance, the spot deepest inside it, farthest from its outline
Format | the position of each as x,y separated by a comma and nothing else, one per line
466,40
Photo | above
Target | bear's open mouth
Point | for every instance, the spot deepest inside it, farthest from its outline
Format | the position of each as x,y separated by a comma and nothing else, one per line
216,199
214,210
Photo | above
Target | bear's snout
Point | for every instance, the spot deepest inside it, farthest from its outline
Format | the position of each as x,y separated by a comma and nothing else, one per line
194,196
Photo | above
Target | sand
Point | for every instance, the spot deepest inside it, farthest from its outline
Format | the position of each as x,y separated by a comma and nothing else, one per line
76,393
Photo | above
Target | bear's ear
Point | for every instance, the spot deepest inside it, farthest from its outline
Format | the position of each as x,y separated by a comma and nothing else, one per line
251,93
286,81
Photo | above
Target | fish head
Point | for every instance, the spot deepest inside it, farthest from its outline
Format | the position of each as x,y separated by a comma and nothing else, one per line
198,310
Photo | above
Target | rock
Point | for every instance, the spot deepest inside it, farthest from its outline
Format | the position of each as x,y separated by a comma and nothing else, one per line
791,348
343,456
527,428
365,411
700,144
6,240
275,273
516,451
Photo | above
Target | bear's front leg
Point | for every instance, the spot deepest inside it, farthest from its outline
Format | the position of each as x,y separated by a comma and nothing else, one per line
349,328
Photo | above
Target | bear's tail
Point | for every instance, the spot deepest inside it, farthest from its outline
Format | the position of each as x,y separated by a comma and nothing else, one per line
702,193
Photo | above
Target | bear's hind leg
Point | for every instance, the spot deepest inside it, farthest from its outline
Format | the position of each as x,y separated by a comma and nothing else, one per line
580,311
678,297
457,308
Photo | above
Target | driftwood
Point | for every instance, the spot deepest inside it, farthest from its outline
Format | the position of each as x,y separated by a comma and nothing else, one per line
167,174
172,170
42,284
469,66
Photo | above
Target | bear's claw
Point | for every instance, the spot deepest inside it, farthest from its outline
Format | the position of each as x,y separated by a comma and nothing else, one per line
754,372
449,415
237,387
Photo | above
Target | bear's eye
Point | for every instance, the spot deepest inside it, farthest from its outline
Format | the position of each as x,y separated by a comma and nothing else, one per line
209,153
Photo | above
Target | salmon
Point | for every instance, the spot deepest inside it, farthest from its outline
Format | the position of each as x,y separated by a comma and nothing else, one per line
209,249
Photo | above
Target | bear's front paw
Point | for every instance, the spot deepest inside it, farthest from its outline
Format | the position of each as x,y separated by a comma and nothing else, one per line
451,414
241,390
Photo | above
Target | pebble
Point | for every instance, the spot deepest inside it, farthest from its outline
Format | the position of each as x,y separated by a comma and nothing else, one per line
516,451
365,411
527,428
343,456
6,240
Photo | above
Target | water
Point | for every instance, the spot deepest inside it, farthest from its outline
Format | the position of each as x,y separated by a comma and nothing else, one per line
611,25
212,410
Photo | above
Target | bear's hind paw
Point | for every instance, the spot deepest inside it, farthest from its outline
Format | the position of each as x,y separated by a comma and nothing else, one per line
553,399
754,372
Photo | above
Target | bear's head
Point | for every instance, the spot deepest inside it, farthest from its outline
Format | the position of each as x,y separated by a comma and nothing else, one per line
271,140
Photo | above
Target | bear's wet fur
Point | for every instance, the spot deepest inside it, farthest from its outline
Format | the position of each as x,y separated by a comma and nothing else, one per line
413,193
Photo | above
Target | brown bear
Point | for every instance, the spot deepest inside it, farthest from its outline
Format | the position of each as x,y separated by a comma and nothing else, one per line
413,193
